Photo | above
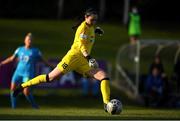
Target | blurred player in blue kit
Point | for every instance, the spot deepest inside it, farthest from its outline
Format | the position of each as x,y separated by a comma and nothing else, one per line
27,57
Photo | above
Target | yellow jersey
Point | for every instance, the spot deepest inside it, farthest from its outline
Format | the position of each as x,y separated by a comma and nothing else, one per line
84,39
74,59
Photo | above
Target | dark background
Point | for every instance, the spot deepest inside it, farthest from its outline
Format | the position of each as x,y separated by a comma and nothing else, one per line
150,10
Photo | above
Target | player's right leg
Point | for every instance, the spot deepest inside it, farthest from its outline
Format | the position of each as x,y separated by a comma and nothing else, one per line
100,75
14,84
39,79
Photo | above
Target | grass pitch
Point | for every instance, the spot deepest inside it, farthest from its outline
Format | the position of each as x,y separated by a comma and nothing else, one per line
87,113
74,106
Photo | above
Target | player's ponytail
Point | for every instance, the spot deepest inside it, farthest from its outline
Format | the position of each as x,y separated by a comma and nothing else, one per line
81,18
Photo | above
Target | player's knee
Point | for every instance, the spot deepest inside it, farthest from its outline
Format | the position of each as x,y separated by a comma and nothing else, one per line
26,91
51,77
102,75
13,87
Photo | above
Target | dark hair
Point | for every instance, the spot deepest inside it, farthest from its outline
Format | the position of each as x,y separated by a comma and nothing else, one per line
80,18
90,12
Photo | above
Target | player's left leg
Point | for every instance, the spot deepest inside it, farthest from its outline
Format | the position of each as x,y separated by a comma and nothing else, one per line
28,94
13,99
14,83
100,75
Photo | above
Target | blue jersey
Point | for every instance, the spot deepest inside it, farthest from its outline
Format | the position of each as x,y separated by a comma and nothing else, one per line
26,61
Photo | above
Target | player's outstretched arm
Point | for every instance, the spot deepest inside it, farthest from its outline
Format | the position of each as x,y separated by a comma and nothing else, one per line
8,60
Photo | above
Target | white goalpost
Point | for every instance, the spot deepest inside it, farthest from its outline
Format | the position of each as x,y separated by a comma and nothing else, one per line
132,59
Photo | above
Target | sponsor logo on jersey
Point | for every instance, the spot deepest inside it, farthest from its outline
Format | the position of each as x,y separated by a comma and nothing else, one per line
83,36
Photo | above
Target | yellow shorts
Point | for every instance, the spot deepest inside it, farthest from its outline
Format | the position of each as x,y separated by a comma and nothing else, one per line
72,62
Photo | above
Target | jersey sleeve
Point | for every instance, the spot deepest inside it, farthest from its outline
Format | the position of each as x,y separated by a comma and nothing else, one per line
16,52
83,36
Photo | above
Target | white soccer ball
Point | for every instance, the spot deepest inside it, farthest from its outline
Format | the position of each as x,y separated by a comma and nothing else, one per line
114,107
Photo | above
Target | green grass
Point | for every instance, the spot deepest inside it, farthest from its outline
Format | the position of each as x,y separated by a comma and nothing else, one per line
70,104
87,113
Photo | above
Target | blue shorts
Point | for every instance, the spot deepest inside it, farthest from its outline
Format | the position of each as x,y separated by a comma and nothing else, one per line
18,79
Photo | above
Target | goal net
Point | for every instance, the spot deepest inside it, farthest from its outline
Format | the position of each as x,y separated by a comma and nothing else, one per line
133,61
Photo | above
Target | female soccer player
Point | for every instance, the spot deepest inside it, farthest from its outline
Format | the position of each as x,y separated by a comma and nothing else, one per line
78,58
27,57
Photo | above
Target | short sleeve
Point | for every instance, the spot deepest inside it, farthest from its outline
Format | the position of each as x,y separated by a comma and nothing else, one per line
16,52
83,36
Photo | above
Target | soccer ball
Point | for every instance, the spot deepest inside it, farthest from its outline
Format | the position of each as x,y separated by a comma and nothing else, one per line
114,107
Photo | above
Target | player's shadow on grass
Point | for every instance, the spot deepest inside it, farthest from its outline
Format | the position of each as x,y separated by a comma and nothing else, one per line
55,101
